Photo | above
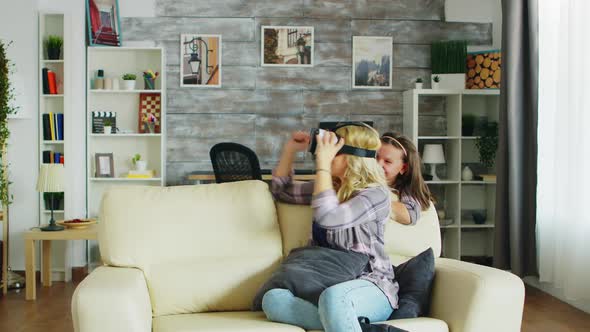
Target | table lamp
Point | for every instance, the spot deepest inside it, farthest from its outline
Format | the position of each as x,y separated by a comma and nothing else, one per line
50,180
433,154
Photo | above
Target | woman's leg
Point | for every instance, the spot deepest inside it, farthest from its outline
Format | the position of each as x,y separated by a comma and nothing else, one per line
341,304
280,305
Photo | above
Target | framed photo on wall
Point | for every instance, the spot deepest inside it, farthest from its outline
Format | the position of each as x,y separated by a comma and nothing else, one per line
104,165
287,46
102,17
371,59
200,61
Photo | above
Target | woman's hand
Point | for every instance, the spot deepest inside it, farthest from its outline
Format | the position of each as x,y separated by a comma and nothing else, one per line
299,141
327,148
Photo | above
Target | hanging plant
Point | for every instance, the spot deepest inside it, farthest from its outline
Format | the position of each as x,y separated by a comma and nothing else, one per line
6,96
487,144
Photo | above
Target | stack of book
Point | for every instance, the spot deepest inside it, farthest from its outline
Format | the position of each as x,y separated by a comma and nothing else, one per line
50,157
53,126
49,82
147,174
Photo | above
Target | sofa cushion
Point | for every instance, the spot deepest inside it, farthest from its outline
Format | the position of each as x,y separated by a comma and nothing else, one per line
417,325
201,248
221,322
410,240
415,283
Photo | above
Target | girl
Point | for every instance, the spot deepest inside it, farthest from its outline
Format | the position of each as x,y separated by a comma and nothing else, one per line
351,205
401,163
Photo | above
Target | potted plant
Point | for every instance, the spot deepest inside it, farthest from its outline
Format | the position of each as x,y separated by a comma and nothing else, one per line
435,81
419,83
467,124
448,60
6,108
107,126
140,165
129,81
56,202
53,45
487,145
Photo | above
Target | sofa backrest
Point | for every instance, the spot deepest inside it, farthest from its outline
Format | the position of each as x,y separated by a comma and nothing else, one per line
401,241
201,248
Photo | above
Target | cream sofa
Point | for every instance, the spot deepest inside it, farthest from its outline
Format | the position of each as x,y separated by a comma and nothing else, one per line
191,258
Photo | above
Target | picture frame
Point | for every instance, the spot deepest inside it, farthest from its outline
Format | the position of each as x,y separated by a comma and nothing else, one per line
104,165
149,103
286,46
200,60
372,62
102,18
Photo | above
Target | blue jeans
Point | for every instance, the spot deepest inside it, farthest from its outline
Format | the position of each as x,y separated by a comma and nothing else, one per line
337,310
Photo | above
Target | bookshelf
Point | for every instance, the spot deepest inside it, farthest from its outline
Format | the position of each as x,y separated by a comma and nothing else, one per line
53,107
462,237
126,140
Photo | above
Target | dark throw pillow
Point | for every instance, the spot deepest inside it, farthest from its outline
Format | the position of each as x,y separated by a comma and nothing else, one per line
308,271
415,283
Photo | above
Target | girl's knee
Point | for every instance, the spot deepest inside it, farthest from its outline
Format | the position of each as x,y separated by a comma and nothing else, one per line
331,296
273,297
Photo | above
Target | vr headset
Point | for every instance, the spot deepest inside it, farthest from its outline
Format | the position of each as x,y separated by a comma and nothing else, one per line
346,149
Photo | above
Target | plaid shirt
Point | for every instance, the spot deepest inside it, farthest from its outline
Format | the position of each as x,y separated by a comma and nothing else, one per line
357,225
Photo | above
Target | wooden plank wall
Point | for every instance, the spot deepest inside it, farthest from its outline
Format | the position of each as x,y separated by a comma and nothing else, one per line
259,106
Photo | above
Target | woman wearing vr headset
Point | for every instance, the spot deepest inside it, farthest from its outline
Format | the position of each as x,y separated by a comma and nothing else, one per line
400,161
351,203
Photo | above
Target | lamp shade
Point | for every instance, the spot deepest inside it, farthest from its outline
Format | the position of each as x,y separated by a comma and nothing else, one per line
433,154
51,178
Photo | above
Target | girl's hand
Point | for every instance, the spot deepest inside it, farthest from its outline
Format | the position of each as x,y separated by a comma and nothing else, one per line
299,141
327,148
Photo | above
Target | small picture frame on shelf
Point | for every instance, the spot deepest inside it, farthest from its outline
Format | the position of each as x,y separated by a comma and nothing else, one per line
149,116
104,165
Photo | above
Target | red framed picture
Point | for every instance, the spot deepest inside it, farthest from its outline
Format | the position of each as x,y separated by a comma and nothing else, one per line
150,113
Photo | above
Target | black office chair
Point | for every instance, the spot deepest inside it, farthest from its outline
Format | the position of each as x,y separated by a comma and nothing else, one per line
234,162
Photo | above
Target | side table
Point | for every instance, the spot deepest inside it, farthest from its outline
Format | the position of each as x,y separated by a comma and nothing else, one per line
90,233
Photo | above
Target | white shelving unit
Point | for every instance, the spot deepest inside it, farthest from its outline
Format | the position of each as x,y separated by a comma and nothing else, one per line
116,61
462,237
56,24
51,24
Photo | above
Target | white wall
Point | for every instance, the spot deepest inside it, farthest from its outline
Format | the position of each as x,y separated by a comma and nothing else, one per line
482,11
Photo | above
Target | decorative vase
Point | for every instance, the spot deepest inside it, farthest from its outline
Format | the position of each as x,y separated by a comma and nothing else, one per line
108,83
419,86
115,84
435,85
479,217
129,85
451,81
149,83
53,53
141,165
107,130
149,127
467,174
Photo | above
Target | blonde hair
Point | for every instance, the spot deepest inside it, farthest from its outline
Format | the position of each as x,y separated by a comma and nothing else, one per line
360,172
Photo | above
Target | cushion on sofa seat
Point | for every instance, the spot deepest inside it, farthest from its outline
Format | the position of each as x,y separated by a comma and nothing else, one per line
201,248
416,325
220,322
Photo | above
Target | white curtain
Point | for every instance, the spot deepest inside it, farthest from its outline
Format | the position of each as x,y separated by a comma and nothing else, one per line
563,199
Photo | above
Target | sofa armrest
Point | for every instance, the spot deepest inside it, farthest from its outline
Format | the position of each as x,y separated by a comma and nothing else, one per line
112,299
475,298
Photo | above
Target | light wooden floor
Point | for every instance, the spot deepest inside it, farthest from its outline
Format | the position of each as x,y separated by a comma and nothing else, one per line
51,312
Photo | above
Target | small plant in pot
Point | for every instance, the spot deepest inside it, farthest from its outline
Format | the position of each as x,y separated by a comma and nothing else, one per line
129,81
53,45
140,165
419,83
467,124
57,199
435,81
487,145
107,126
